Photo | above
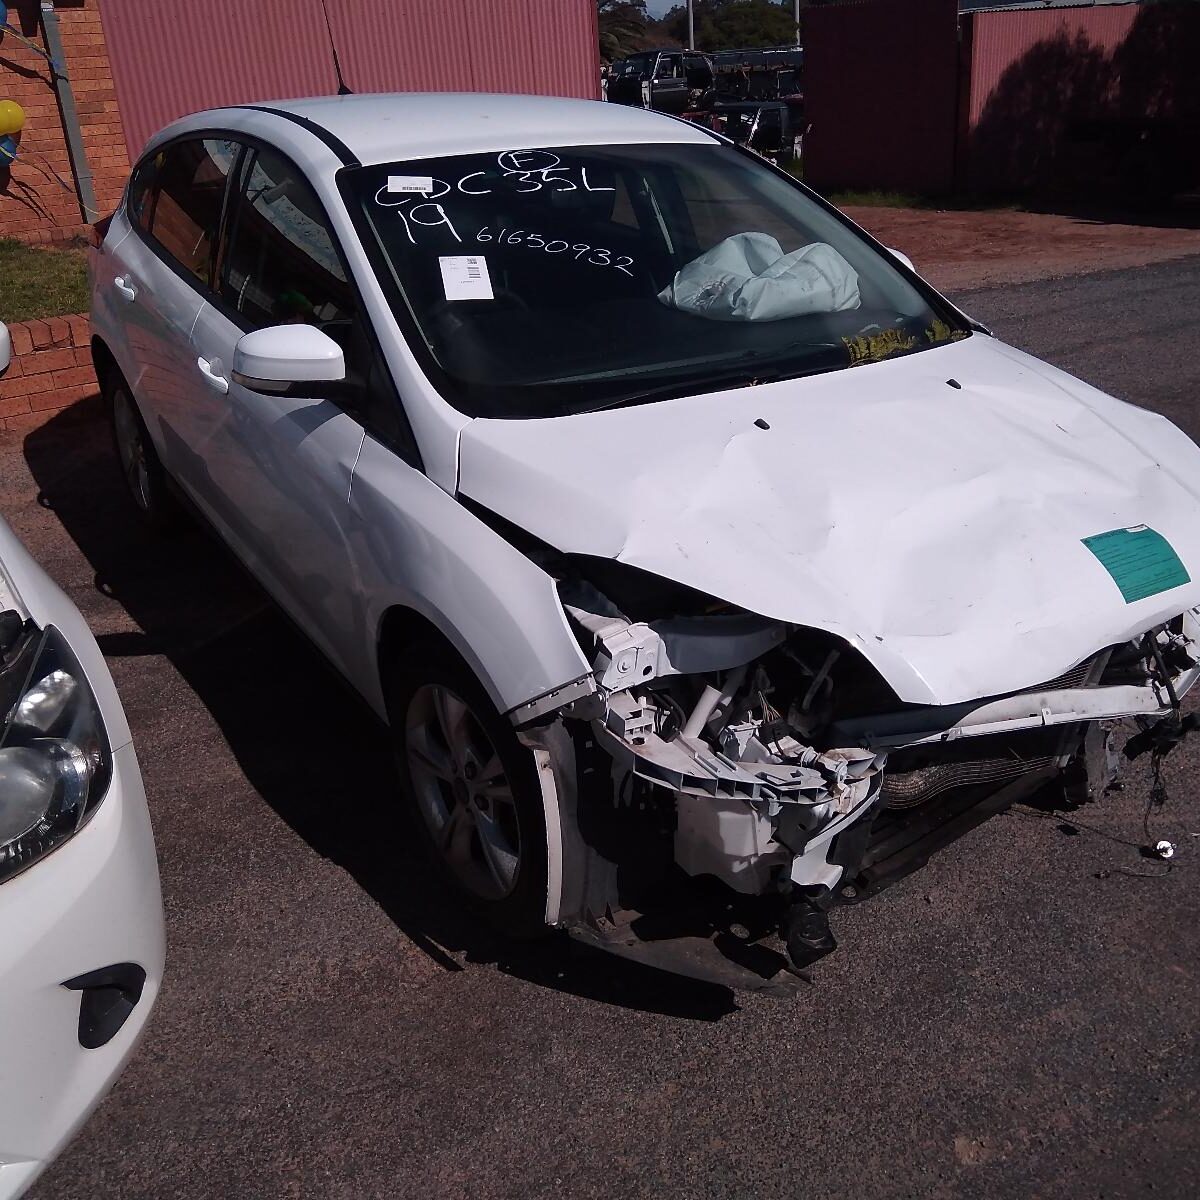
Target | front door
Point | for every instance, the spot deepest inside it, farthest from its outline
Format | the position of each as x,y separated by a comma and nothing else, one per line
669,90
280,466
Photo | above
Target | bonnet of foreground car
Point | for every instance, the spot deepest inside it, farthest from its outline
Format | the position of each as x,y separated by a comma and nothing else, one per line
935,511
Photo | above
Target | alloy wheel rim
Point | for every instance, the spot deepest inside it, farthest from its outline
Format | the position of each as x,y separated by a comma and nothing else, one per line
463,792
132,451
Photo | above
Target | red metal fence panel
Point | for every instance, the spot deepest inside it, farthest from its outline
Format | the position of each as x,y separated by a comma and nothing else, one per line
880,92
172,57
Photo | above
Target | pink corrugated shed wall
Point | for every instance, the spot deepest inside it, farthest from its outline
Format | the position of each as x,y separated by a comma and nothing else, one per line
1057,96
880,91
172,57
1001,39
547,47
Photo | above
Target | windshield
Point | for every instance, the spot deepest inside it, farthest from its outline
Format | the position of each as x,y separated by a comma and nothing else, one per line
541,282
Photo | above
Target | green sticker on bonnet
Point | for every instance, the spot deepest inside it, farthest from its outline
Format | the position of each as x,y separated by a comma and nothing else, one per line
1140,561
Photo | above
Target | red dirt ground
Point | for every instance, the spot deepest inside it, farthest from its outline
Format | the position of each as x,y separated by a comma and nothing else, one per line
958,250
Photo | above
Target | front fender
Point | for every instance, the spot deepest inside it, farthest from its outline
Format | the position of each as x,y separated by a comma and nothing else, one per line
418,548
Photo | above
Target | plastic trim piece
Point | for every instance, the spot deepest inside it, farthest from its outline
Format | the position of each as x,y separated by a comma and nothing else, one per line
552,701
1031,710
109,995
318,131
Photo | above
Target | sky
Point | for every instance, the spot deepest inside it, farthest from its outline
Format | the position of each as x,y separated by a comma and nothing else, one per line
656,8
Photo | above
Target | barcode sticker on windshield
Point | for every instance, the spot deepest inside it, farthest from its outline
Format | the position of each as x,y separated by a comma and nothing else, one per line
465,277
410,183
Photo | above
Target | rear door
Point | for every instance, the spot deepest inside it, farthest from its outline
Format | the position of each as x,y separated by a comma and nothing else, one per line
160,274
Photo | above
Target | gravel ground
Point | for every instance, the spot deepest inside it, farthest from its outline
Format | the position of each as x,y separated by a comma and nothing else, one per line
1018,1019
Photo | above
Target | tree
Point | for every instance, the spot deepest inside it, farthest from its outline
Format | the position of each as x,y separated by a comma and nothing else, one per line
730,24
622,27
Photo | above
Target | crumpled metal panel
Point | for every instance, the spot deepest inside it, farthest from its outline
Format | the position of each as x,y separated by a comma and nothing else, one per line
938,530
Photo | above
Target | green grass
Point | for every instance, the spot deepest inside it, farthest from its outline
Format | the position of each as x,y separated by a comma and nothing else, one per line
951,202
877,199
889,198
38,282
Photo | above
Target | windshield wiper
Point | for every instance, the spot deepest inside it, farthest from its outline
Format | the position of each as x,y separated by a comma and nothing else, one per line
695,387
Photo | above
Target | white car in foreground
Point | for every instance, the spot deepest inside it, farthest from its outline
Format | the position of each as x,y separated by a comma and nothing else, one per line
710,567
81,920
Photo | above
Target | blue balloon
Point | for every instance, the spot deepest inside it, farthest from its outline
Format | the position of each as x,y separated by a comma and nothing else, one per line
8,149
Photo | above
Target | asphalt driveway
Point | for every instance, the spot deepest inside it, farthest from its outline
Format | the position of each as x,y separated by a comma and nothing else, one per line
1018,1019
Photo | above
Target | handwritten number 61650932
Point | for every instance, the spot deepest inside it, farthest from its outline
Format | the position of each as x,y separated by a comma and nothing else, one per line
598,256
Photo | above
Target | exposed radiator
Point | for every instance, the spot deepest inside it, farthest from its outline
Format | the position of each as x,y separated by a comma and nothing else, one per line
907,789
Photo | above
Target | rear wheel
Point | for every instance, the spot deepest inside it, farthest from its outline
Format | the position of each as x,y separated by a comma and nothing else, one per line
140,465
473,789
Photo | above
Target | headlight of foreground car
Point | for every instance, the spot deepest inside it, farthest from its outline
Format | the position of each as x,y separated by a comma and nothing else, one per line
55,762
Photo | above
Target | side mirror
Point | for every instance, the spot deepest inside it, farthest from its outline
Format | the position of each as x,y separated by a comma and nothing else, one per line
279,357
5,347
908,262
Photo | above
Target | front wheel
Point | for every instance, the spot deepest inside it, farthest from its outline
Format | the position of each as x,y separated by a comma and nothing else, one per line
474,790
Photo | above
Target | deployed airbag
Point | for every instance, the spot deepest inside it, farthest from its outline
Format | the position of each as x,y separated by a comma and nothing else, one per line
748,277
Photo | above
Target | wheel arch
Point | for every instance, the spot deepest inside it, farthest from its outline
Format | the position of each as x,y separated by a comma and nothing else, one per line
401,627
105,364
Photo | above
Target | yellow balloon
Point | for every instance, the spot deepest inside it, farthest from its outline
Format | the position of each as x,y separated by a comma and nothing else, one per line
12,117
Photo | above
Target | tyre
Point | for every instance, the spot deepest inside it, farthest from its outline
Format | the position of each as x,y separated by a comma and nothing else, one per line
139,462
473,789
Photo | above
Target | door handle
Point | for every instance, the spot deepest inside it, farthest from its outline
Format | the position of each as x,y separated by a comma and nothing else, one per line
211,369
124,285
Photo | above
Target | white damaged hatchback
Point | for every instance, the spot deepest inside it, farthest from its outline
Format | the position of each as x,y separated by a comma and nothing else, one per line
710,568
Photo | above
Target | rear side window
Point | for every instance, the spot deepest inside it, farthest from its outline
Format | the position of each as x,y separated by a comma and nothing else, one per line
281,265
181,207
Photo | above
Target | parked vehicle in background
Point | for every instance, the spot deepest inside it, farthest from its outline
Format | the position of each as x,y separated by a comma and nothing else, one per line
669,81
81,921
759,73
757,99
752,96
710,568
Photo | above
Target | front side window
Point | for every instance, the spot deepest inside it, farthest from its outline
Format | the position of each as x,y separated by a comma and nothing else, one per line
540,282
181,208
281,266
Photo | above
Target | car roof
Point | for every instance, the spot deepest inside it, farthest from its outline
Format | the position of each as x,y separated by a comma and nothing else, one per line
403,125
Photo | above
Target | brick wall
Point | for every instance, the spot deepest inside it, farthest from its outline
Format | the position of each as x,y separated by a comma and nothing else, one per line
51,369
34,207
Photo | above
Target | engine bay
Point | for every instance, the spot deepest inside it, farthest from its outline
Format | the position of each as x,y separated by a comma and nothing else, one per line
779,764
